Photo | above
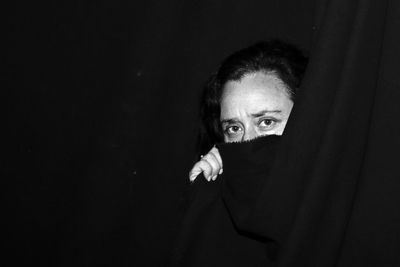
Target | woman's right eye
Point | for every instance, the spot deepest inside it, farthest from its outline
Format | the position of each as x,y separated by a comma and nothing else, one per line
232,130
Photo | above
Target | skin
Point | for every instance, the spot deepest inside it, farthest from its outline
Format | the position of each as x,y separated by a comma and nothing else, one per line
254,106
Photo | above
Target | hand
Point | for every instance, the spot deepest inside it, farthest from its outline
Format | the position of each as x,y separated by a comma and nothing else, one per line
210,165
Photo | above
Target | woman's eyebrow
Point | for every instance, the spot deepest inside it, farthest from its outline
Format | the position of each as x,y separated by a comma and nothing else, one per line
263,112
233,120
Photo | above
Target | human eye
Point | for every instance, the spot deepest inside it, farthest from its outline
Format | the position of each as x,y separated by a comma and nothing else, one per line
267,123
232,130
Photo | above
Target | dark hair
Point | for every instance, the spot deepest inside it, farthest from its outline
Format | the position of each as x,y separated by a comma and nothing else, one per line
274,56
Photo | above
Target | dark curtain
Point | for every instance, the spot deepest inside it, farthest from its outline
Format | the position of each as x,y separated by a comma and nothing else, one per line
330,198
101,120
339,191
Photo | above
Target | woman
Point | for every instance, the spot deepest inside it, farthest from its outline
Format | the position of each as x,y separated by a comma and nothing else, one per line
250,96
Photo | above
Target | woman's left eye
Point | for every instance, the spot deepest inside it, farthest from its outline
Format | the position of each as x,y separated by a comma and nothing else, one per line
267,123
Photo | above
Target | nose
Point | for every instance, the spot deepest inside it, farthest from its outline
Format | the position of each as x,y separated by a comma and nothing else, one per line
249,134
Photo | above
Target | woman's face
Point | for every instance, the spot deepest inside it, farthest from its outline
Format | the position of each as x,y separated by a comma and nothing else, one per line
254,106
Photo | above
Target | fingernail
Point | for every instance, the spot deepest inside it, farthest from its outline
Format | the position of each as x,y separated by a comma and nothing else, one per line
214,177
221,171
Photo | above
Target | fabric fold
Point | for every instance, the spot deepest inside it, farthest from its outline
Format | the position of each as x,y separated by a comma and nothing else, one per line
246,168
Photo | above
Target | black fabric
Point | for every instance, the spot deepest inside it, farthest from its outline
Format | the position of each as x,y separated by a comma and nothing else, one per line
208,236
330,197
325,176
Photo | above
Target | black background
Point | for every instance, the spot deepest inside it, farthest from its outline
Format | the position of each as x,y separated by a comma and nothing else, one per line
101,121
102,100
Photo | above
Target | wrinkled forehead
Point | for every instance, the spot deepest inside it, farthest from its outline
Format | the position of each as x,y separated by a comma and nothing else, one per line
263,78
254,93
267,83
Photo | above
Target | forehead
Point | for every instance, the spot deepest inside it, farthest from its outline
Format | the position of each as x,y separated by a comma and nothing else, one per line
253,92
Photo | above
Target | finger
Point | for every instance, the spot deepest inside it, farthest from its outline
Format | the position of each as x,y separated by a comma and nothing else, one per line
201,166
206,169
215,152
194,172
213,162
